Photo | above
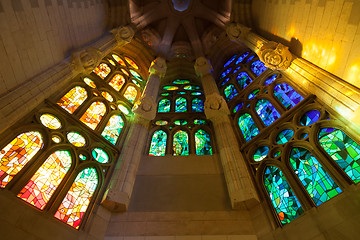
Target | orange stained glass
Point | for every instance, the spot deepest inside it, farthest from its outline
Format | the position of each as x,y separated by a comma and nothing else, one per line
73,207
119,60
131,62
117,82
102,70
130,94
125,72
94,114
73,99
89,82
107,96
50,121
47,178
17,154
111,62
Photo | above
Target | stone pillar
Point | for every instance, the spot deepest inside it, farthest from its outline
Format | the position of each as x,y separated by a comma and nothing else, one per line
239,183
335,92
122,182
25,97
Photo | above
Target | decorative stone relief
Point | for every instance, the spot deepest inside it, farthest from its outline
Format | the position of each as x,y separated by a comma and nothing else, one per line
145,107
85,60
237,32
158,67
275,55
123,35
215,106
203,66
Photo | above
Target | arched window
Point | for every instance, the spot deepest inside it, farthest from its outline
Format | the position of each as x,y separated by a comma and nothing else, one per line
180,104
202,143
76,201
181,143
247,126
283,199
130,94
197,105
164,105
258,67
287,95
317,182
266,111
344,151
94,114
113,128
73,99
158,143
243,79
46,179
102,70
117,82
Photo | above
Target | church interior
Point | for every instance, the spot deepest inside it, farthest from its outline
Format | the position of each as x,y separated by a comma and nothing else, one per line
180,119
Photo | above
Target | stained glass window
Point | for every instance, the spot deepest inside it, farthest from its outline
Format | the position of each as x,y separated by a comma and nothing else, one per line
225,81
197,105
287,95
117,82
230,92
243,79
199,121
253,94
89,82
196,93
170,88
249,58
102,70
242,57
125,72
258,67
17,154
77,200
261,153
180,104
136,75
270,79
181,81
310,117
165,94
158,143
131,63
266,111
50,121
107,96
130,94
73,99
181,143
247,126
94,114
164,105
202,143
344,151
286,205
191,87
46,179
119,60
284,136
230,61
113,128
124,109
100,155
76,139
180,122
226,72
317,182
238,107
161,122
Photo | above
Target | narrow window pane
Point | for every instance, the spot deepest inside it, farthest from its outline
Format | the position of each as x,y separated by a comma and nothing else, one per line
164,105
287,95
113,128
73,99
197,105
158,143
243,79
117,82
266,111
230,92
130,94
102,70
94,114
181,143
258,67
180,105
203,143
247,126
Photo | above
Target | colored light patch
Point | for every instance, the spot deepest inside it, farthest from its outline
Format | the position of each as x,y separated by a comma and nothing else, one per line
102,70
136,75
253,94
287,95
117,82
100,155
258,67
284,136
130,94
238,107
76,139
197,105
73,99
202,143
56,139
180,143
170,88
180,104
226,72
243,79
271,79
180,122
113,128
181,81
50,121
111,62
161,122
230,92
158,143
230,61
199,121
310,117
107,96
261,153
89,82
131,63
191,87
196,93
266,111
17,154
317,182
242,57
124,109
47,178
247,126
119,60
164,105
93,114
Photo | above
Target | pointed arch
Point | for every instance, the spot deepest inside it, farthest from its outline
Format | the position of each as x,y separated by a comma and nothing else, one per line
131,93
202,143
248,126
113,128
158,143
94,114
287,95
73,99
181,143
266,111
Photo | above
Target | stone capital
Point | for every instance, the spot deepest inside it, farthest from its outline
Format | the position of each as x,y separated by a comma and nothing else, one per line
237,32
123,35
215,106
145,108
203,66
85,60
275,55
158,67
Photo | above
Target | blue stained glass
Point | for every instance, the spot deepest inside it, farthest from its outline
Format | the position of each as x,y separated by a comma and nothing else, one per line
270,79
158,143
258,67
287,95
202,143
226,72
225,81
197,105
237,107
284,136
242,57
286,205
236,69
181,143
230,92
266,111
250,58
247,126
180,105
230,61
243,79
164,105
317,182
253,94
261,153
310,117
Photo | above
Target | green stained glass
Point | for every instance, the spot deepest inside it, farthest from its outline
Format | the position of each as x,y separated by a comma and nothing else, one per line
76,139
230,92
277,153
180,143
165,94
113,128
310,117
247,126
164,105
344,151
136,83
202,143
161,122
180,122
181,93
283,199
82,157
284,136
237,107
170,88
191,87
181,81
100,155
196,93
180,104
317,182
199,122
261,153
158,143
253,93
197,105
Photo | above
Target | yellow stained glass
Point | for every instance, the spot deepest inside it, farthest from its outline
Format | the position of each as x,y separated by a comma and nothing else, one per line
56,139
76,139
125,72
117,82
50,121
119,60
73,99
94,114
130,94
124,109
102,70
111,62
89,82
131,63
107,96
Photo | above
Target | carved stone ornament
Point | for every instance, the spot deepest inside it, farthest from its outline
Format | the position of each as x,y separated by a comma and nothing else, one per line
145,107
158,67
123,35
202,66
215,106
85,60
275,56
237,31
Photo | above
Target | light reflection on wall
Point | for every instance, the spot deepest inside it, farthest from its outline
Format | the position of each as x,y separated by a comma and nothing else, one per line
352,75
322,53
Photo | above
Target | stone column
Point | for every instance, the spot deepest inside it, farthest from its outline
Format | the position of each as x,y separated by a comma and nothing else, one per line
25,97
122,182
239,183
335,92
